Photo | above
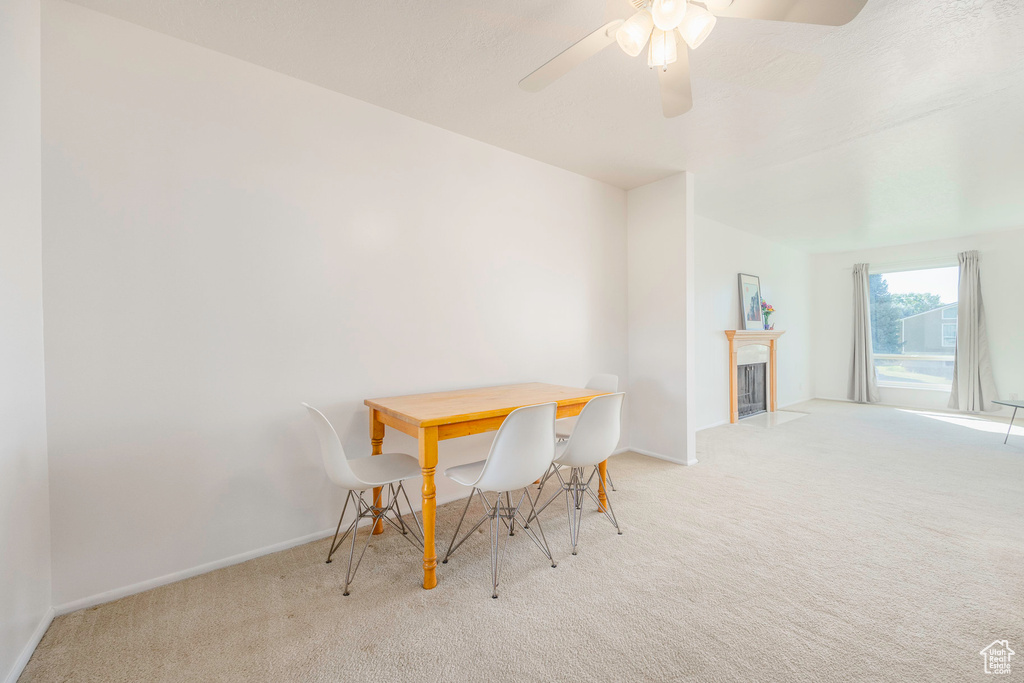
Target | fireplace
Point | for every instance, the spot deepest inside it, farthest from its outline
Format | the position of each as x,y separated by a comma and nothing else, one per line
751,394
753,372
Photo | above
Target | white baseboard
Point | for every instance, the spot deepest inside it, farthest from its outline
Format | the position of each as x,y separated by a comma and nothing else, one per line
26,653
1003,412
125,591
118,593
794,403
659,456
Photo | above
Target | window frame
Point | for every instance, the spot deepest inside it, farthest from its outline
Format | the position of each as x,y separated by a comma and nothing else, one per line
885,269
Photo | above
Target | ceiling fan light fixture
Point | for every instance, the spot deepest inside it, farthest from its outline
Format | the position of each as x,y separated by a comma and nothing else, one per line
633,34
663,49
696,26
668,14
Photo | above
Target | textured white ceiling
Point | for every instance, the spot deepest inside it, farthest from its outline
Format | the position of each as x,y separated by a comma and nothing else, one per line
903,125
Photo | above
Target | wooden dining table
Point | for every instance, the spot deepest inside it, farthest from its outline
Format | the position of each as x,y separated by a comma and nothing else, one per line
430,418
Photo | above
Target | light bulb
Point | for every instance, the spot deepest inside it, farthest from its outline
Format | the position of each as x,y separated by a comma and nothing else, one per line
634,32
668,13
663,49
696,26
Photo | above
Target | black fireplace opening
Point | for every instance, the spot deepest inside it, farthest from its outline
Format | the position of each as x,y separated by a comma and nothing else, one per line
751,397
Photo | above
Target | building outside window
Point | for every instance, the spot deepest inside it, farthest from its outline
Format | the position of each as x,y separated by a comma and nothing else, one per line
949,335
929,332
913,326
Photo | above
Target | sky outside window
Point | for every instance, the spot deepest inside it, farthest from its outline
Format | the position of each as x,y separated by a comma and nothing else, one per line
941,281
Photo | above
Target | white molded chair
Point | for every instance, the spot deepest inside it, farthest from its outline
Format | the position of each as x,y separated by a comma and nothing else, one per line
521,452
609,383
358,475
594,439
564,427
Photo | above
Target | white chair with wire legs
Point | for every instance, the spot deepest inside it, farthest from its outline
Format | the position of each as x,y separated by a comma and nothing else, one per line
594,439
521,452
359,474
564,427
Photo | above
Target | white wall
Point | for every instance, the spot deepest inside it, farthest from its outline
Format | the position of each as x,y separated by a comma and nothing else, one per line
1000,283
24,503
222,242
661,319
722,253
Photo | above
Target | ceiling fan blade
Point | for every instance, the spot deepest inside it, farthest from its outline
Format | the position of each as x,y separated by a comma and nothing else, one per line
826,12
571,58
676,96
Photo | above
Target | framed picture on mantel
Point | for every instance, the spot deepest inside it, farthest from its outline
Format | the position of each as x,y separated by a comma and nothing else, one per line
750,303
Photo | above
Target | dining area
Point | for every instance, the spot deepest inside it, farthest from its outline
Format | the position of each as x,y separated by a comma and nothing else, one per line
551,442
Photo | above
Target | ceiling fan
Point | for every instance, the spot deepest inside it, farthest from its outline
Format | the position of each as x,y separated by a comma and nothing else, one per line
661,25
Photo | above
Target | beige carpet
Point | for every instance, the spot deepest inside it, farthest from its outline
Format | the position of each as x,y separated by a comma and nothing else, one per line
855,544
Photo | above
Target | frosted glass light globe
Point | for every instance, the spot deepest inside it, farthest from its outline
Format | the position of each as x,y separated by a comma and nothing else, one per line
633,34
663,49
696,26
668,14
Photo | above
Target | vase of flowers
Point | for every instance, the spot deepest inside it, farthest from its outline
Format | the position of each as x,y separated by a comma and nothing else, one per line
766,312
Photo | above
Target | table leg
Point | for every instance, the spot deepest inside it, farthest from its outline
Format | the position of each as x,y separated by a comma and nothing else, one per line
601,494
1011,425
428,463
377,443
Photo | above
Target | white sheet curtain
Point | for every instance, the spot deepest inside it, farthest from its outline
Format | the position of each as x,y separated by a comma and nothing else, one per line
863,383
974,386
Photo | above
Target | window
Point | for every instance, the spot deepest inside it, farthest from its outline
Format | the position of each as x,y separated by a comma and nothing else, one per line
913,326
949,334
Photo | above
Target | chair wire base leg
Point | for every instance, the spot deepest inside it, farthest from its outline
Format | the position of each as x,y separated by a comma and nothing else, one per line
576,490
415,518
512,520
574,506
501,516
533,532
375,514
608,511
554,495
453,546
495,535
335,543
505,516
363,508
417,531
396,511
